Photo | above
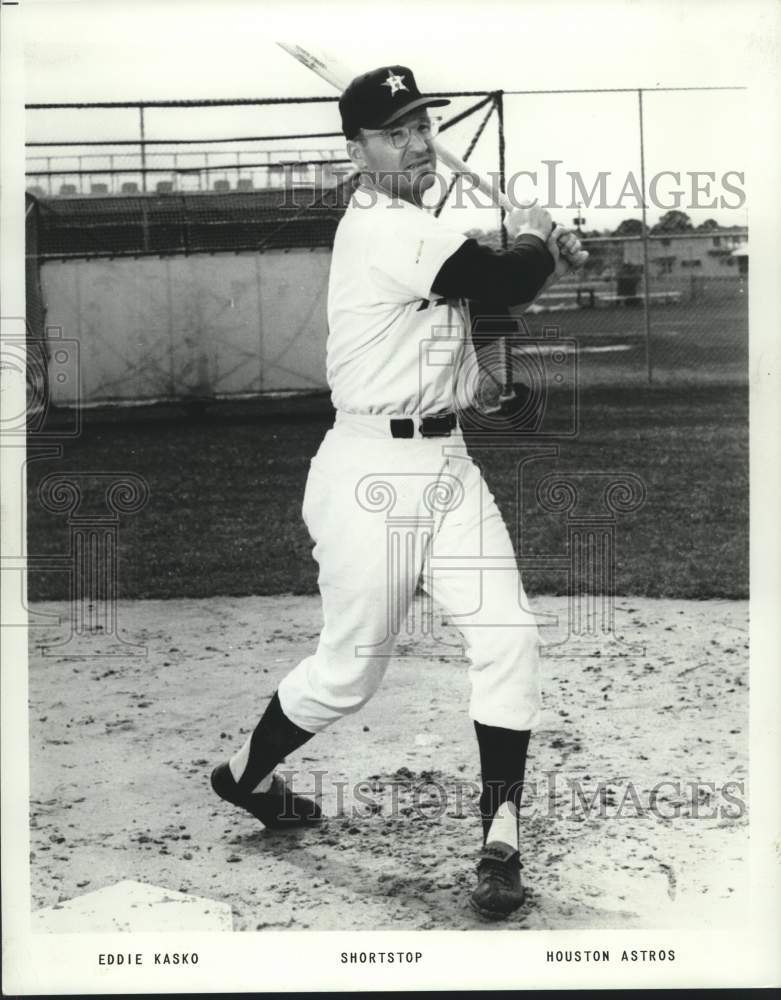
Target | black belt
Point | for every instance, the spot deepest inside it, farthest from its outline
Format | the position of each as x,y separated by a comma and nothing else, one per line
438,425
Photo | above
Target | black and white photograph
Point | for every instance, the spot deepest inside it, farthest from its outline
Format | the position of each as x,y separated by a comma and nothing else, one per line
390,476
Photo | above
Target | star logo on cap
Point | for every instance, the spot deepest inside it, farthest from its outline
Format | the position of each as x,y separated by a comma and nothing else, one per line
396,83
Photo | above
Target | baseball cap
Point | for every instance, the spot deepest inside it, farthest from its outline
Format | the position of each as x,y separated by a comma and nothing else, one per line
380,97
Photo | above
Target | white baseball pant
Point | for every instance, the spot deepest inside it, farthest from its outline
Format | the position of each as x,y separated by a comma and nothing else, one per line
385,514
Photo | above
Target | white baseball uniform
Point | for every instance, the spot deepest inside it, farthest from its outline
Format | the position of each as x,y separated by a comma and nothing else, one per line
387,513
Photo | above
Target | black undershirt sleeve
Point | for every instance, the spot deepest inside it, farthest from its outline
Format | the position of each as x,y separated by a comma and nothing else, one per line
505,277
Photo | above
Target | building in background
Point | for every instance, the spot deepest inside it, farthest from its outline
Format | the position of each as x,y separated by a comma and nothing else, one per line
689,254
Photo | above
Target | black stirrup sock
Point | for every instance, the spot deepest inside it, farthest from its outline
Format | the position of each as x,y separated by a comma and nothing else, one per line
274,737
502,766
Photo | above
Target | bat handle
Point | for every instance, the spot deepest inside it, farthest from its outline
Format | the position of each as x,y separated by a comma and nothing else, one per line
577,259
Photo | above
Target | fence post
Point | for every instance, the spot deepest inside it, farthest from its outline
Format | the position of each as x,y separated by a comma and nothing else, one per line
143,147
646,299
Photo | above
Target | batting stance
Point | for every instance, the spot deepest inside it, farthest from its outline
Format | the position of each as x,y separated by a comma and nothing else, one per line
401,364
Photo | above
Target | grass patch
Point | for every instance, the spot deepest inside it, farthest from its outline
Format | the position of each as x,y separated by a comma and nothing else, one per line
224,514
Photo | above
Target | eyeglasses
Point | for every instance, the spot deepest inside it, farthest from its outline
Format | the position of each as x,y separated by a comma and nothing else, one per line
401,136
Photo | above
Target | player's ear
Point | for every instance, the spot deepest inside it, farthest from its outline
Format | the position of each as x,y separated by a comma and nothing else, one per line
357,153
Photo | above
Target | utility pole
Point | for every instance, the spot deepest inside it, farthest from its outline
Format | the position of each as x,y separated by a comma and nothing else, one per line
579,221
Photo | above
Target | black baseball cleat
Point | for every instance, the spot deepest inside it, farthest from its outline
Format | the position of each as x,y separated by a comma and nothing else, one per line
499,890
277,809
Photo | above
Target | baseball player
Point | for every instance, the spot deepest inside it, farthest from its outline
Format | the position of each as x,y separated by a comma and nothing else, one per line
401,364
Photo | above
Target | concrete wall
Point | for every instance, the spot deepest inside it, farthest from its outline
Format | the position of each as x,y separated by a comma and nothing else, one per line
204,325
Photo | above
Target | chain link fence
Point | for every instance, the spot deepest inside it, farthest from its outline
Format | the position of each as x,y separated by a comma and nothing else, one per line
664,303
687,323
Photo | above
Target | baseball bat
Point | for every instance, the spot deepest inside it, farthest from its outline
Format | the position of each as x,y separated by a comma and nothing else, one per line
330,70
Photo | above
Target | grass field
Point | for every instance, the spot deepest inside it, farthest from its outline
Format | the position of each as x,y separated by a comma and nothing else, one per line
225,495
691,342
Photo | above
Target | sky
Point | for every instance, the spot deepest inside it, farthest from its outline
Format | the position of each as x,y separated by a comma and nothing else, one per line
81,50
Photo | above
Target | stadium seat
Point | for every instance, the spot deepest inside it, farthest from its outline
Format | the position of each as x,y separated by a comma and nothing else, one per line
99,189
164,187
222,185
67,189
244,184
129,187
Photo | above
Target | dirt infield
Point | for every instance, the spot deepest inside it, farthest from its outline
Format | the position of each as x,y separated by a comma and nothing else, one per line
122,747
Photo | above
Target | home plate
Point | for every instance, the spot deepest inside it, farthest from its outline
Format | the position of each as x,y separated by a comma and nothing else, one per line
133,906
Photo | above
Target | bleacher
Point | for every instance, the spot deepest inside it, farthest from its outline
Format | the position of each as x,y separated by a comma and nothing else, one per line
168,222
